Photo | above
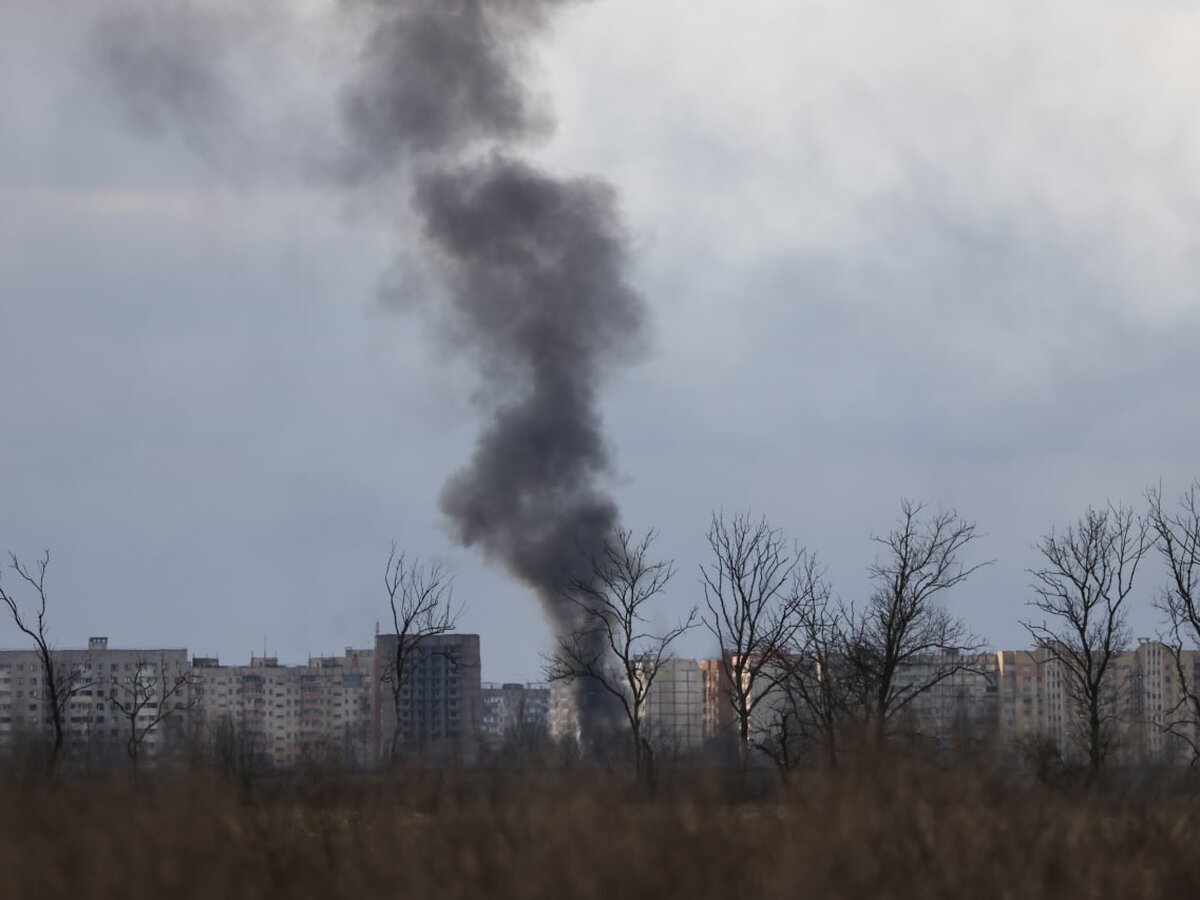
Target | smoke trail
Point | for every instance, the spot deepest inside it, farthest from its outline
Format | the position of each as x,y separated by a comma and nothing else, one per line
440,75
160,66
535,266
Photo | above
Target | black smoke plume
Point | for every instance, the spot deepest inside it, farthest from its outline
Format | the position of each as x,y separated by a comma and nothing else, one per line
534,265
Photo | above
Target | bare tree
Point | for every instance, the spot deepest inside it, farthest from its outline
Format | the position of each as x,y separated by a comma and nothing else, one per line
421,599
751,613
147,699
612,646
814,702
786,737
1083,588
60,680
1177,536
902,643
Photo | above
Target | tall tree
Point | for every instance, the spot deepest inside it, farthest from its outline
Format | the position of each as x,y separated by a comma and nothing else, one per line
751,612
1177,537
1082,589
421,600
813,702
60,680
612,646
903,642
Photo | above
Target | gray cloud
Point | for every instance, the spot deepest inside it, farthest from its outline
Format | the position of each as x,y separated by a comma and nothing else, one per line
165,70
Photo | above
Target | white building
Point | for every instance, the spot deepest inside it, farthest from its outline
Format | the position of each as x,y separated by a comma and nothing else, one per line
289,714
107,693
515,713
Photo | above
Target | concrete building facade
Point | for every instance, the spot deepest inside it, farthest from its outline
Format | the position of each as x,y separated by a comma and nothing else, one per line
290,714
107,691
956,701
1144,703
514,714
674,713
441,700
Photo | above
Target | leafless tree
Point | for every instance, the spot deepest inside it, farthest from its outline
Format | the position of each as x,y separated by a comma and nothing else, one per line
751,613
421,599
1082,590
1177,537
60,680
147,699
902,643
813,702
786,737
612,645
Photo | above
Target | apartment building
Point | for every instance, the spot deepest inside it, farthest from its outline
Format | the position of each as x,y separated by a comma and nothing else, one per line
441,703
718,713
514,714
674,713
108,692
564,711
1161,729
1023,708
289,714
954,698
1143,703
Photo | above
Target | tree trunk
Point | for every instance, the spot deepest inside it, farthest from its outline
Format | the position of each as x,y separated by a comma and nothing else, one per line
744,739
1095,750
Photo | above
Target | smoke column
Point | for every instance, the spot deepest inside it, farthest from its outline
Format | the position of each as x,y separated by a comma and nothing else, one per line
535,267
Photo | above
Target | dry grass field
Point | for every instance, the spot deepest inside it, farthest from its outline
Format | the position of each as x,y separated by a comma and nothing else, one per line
590,834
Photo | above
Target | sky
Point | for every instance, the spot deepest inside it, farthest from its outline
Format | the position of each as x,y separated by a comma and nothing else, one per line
944,250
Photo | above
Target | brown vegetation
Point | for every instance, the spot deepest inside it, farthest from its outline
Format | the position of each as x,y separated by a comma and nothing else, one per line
910,832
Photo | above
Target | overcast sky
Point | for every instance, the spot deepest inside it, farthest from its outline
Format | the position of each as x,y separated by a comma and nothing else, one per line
942,249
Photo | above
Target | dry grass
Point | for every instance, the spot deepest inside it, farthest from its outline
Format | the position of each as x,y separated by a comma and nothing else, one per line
893,834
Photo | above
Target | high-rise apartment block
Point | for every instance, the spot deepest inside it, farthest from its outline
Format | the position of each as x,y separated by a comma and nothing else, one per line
107,693
1142,704
674,713
440,699
289,714
515,714
953,698
564,711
